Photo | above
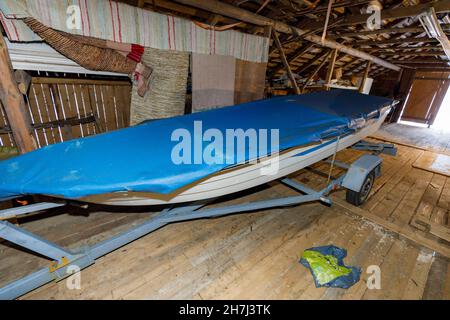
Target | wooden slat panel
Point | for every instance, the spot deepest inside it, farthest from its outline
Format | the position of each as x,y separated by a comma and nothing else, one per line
95,107
53,100
123,100
5,139
58,100
74,110
82,109
110,107
52,111
36,114
88,108
126,106
45,113
98,91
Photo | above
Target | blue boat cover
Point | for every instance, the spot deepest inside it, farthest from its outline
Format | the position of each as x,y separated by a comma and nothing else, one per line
139,158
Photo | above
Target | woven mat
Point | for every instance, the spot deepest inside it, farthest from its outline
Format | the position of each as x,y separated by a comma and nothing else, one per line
167,94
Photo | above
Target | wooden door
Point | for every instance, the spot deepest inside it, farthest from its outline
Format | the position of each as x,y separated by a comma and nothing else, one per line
426,96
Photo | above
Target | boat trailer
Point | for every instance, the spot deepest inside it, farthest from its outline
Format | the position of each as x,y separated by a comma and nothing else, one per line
358,180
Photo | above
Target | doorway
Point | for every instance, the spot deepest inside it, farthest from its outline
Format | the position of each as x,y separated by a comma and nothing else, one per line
427,99
442,121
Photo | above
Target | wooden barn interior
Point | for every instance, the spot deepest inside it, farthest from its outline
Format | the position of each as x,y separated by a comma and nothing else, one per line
77,70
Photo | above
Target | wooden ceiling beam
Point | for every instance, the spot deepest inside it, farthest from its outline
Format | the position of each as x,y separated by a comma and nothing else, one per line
293,57
354,69
317,69
395,13
250,17
433,69
324,8
182,9
395,41
415,54
311,62
376,32
421,62
405,49
350,64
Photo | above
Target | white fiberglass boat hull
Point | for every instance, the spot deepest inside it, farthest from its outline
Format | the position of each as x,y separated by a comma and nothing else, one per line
246,176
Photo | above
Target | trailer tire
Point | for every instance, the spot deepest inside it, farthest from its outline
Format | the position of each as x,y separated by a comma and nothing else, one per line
358,198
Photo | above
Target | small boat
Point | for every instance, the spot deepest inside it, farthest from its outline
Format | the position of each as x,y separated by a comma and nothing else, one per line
135,166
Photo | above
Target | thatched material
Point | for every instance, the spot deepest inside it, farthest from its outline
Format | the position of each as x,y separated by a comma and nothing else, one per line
86,55
131,51
97,54
167,94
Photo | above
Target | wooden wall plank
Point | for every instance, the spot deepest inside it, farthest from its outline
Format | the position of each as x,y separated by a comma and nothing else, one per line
53,100
5,139
37,116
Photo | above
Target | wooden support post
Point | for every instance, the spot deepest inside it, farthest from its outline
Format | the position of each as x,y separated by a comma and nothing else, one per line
268,32
316,71
14,103
327,20
23,80
366,75
331,69
285,62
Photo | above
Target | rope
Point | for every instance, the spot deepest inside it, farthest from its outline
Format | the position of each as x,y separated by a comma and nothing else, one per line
334,159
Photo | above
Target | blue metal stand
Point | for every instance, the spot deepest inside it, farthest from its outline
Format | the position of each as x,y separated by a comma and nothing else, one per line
376,148
62,259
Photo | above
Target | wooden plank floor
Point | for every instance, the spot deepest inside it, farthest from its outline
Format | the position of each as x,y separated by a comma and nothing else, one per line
255,256
432,139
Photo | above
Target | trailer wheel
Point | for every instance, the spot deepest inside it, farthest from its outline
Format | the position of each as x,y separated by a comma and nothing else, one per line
358,198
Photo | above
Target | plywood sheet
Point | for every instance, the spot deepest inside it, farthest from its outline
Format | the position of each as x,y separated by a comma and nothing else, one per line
250,81
434,162
420,99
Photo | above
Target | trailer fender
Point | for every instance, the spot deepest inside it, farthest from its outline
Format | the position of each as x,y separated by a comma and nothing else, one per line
359,170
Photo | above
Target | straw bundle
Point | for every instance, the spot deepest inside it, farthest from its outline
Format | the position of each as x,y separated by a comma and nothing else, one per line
167,95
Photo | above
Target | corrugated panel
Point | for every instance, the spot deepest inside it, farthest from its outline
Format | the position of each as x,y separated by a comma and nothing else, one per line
41,57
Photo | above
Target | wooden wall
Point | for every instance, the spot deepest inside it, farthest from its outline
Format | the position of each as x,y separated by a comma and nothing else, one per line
62,109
